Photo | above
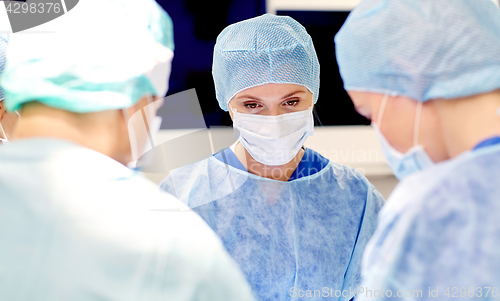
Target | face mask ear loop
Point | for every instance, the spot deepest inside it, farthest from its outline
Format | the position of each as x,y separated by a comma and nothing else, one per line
4,134
1,128
381,110
147,120
150,135
416,126
234,116
150,101
231,108
131,130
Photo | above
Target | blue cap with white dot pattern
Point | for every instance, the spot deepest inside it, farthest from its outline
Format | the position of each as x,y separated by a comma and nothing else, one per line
425,49
262,50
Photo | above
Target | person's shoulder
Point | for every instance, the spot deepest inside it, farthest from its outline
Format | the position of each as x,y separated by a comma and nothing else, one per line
148,215
313,155
345,176
178,233
159,226
471,178
453,201
440,225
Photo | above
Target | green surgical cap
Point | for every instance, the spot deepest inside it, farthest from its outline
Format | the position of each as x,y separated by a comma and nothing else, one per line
106,55
3,49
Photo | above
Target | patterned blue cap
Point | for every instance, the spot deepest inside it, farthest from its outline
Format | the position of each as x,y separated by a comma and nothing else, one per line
262,50
425,49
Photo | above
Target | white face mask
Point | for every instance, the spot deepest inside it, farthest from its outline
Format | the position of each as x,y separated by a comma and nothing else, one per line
274,140
403,164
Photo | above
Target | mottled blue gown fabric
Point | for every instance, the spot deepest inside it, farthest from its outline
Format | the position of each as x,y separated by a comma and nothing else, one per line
440,230
307,234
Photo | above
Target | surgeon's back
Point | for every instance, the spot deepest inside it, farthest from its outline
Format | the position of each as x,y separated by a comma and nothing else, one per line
77,225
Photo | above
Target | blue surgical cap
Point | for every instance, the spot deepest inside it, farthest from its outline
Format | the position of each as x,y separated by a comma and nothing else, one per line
262,50
104,56
425,49
3,50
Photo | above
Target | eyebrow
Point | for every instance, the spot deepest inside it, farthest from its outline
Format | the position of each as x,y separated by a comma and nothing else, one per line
285,97
293,93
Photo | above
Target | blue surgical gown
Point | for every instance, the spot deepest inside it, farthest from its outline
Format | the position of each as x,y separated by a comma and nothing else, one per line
439,233
289,238
77,225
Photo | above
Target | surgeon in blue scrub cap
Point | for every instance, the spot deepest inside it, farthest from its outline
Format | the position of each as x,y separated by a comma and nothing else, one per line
295,222
427,73
75,222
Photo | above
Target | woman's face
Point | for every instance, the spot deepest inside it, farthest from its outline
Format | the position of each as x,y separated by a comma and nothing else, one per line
272,100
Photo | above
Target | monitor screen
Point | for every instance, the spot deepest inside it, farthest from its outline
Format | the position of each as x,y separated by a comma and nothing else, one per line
334,107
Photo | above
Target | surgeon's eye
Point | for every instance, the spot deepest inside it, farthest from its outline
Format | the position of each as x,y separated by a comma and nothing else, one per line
291,102
251,105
